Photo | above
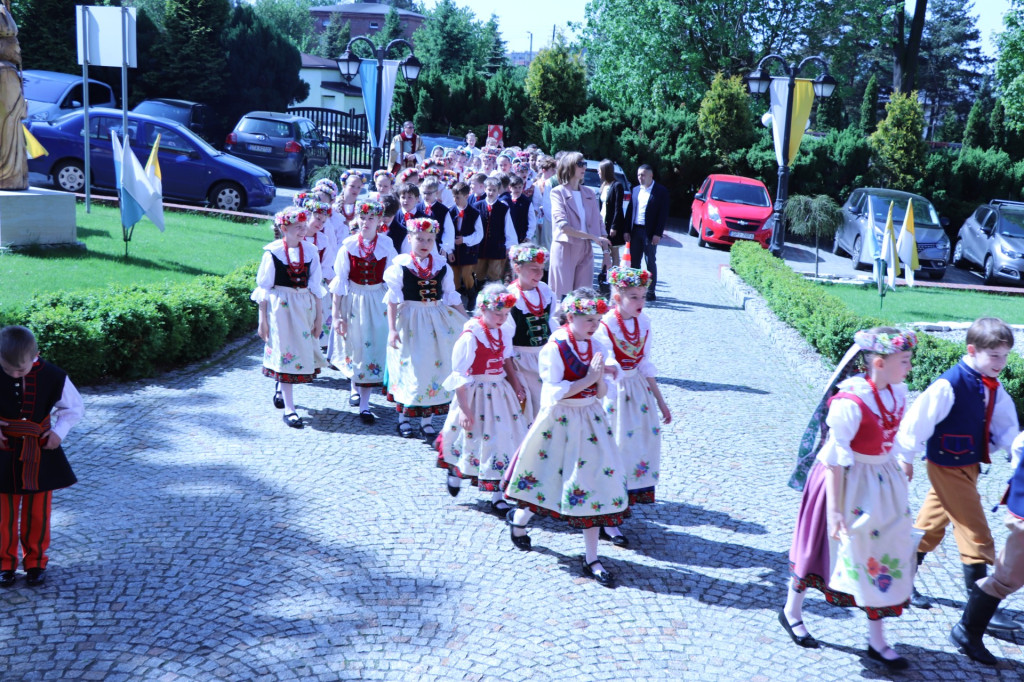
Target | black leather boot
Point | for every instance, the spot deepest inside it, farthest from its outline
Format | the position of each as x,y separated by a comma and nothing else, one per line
999,621
918,600
967,635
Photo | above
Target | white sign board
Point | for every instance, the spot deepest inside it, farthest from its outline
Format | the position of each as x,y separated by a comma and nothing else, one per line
101,29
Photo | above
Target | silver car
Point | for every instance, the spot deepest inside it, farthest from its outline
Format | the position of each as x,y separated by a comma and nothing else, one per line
993,239
871,205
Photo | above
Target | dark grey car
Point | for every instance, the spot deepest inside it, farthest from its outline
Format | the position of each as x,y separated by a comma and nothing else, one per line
285,144
870,205
993,239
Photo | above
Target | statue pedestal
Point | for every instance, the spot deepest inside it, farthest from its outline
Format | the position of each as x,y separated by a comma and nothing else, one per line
37,217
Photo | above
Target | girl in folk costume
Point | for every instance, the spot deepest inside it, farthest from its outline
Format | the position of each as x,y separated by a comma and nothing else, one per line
289,288
326,190
326,249
359,311
854,537
627,331
486,422
345,205
409,175
425,317
384,181
530,317
568,466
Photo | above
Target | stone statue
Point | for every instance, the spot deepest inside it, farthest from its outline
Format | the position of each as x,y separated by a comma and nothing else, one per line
13,159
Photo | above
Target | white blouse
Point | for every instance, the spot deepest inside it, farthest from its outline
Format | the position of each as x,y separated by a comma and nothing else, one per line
464,352
844,419
384,249
393,279
547,297
552,369
645,367
325,240
265,274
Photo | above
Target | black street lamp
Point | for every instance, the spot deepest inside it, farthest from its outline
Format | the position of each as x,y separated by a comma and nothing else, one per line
348,65
758,82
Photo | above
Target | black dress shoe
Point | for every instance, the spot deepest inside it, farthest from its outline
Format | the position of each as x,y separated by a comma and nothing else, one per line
292,419
278,398
405,430
35,576
919,601
453,490
617,540
353,400
367,417
898,663
601,575
501,511
6,578
806,641
520,541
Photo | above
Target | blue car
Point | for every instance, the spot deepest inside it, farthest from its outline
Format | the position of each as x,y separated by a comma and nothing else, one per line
191,169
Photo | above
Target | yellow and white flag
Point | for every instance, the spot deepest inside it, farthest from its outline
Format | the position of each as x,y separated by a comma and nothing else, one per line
32,146
803,98
890,251
156,178
906,245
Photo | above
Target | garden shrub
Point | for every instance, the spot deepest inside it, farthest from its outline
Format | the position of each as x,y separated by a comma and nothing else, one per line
828,325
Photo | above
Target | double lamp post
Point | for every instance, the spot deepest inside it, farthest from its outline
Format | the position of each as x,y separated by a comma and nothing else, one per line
349,63
758,81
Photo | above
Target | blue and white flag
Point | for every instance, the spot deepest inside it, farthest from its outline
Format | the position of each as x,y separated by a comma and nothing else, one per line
368,79
138,195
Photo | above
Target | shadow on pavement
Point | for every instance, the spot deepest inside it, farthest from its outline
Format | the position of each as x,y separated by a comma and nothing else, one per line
705,386
686,306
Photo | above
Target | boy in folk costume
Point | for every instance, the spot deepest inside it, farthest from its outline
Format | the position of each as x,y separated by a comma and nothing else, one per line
432,208
409,209
523,218
38,406
407,148
958,421
499,234
468,230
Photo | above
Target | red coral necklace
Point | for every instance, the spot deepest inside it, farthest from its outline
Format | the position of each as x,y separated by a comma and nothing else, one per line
631,337
889,418
584,358
426,272
535,310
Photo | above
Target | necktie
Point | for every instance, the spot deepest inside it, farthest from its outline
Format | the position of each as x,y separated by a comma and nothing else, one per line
991,385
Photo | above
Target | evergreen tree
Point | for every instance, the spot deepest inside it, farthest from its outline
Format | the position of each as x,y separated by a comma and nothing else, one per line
448,39
334,39
193,58
869,107
557,84
977,133
494,47
46,33
952,128
898,143
997,125
829,113
292,19
724,119
391,29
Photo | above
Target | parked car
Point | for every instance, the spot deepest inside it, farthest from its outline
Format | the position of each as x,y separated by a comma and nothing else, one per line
731,207
993,239
592,180
284,144
431,140
50,94
199,118
869,206
192,170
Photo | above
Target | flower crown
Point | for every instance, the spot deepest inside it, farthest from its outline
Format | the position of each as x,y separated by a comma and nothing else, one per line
300,198
426,225
326,186
885,344
403,176
495,301
314,206
431,172
528,253
383,174
577,305
519,165
623,278
290,216
351,174
369,208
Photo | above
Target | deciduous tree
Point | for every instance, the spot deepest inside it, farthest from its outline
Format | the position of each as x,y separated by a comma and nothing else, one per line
724,118
557,83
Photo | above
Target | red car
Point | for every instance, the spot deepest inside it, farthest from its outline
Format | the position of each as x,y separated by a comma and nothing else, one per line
730,207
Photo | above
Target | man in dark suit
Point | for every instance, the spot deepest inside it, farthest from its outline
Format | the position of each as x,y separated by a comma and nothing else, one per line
648,214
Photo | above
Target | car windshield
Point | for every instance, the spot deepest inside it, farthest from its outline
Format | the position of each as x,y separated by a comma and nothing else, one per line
43,89
737,193
256,126
163,110
1011,223
924,212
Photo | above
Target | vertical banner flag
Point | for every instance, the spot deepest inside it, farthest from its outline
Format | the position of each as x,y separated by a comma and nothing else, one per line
368,78
496,135
906,246
890,256
803,98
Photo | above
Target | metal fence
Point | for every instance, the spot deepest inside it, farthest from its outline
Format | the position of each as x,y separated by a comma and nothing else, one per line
348,134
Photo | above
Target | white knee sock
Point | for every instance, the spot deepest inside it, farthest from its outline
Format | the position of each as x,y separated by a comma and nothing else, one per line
613,531
289,399
521,518
590,538
794,609
364,397
876,638
425,421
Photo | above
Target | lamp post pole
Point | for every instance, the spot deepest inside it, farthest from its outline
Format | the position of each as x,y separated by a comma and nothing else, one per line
758,81
349,64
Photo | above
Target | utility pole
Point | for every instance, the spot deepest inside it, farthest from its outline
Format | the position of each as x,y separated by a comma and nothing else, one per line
530,33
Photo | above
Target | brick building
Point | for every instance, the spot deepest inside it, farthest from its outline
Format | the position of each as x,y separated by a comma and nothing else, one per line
365,18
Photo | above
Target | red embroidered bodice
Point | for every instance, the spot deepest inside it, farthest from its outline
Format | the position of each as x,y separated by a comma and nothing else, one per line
363,271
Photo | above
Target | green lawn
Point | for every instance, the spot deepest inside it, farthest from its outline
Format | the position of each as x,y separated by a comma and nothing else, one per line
929,305
191,245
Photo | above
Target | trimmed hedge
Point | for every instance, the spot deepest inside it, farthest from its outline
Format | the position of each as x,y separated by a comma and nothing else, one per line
828,325
134,331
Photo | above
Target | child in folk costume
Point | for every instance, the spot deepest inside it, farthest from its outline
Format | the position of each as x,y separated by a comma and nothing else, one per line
626,330
409,209
520,210
432,208
486,422
345,205
359,311
289,289
38,407
499,234
327,249
425,317
384,181
468,230
856,496
326,190
531,317
568,466
957,421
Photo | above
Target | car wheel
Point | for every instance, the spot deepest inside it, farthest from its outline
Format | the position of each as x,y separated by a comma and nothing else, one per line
689,228
937,275
70,176
700,236
855,252
302,175
958,255
227,196
989,271
835,245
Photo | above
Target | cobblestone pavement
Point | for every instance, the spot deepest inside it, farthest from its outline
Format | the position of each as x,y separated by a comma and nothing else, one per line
207,541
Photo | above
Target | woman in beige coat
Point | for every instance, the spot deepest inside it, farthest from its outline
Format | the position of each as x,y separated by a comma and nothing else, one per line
576,222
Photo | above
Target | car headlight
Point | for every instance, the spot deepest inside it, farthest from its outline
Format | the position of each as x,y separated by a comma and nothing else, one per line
266,180
1010,253
714,214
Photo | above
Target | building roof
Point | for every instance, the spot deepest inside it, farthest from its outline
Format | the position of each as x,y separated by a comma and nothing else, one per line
375,8
343,88
311,61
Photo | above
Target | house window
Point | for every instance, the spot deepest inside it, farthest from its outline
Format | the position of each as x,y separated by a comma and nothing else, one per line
374,26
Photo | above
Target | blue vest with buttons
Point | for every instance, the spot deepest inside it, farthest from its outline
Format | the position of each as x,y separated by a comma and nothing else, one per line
959,439
1015,495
